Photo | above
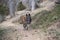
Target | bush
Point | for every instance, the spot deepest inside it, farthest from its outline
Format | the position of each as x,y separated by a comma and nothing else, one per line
3,10
21,6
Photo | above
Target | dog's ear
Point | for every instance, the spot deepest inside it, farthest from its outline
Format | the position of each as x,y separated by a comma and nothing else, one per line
29,14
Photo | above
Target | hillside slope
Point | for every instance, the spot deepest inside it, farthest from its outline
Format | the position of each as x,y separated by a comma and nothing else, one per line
46,18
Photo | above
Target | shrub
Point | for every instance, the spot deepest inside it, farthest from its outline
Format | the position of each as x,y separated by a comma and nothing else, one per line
21,6
3,9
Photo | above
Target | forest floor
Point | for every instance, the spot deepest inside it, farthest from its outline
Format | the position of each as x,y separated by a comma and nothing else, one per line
15,31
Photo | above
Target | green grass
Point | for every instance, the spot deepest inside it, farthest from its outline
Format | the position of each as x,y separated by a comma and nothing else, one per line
46,18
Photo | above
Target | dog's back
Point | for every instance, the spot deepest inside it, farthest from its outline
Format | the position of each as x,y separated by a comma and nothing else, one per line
22,19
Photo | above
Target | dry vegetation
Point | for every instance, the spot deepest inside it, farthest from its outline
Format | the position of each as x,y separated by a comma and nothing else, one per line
49,23
45,18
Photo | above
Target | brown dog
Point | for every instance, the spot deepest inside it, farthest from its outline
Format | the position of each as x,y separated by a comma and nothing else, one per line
23,21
